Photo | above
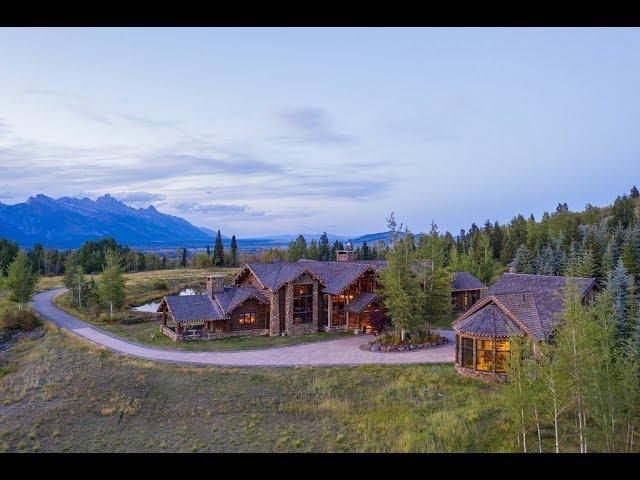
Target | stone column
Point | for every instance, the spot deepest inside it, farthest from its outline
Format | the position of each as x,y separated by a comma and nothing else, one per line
288,309
274,314
315,304
329,310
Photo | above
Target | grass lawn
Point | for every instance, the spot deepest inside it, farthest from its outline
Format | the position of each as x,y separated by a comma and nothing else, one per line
144,287
61,394
148,333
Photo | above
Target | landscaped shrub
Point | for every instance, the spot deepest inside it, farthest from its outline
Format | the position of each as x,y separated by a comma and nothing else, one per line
160,284
391,341
379,322
13,318
133,320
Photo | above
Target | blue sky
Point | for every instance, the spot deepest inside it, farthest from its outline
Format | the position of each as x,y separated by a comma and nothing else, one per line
268,131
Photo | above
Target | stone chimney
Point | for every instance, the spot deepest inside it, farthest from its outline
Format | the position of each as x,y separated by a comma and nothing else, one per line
346,255
215,284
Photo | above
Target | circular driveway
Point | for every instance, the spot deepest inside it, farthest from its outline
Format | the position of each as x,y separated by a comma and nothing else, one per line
343,351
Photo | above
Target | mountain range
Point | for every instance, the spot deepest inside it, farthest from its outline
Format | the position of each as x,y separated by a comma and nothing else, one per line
66,222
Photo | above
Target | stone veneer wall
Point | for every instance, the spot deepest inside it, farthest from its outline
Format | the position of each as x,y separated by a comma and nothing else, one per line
274,314
478,375
290,327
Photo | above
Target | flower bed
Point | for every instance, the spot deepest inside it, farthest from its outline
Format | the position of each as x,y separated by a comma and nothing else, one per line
391,342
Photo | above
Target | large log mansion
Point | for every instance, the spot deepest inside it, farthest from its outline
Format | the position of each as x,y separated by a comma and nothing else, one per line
290,298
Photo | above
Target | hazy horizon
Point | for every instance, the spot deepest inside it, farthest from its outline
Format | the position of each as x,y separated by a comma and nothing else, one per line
272,131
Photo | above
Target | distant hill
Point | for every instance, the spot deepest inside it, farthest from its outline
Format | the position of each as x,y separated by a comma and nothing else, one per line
67,222
372,238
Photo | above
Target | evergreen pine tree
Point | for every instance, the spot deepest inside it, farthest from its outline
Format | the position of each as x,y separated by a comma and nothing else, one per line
313,252
587,267
218,251
183,260
297,249
365,253
336,246
234,251
634,192
324,248
523,260
618,286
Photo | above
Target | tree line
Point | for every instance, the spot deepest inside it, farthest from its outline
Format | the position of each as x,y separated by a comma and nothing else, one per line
219,257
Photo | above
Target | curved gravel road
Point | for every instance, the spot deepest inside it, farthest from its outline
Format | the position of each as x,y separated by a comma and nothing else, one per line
344,351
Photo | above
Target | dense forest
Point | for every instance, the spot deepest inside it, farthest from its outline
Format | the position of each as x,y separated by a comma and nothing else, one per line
587,243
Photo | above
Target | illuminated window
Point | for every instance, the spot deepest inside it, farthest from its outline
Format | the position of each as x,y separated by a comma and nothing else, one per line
484,355
466,352
502,355
247,319
338,316
302,304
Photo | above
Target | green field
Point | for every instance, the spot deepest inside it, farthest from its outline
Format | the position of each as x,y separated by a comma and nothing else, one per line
60,394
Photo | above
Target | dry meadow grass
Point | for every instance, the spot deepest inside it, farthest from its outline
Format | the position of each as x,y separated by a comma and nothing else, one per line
59,394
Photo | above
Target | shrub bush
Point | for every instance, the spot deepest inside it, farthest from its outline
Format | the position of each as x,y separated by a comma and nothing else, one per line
160,284
379,322
132,320
12,318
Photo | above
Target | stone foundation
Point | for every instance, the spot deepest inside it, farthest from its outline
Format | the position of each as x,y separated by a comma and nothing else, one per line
335,328
176,337
483,376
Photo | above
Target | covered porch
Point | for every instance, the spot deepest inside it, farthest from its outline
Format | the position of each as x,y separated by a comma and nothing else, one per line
195,326
351,311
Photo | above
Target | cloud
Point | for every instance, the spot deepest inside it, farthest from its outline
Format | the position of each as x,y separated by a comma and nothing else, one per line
218,209
137,197
4,128
311,125
229,163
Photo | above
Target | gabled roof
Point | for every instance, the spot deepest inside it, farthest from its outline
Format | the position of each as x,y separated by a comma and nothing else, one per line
276,274
339,275
232,297
533,302
192,308
489,321
466,281
335,276
362,301
199,308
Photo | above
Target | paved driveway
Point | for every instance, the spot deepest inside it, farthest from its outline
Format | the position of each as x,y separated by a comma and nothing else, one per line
344,351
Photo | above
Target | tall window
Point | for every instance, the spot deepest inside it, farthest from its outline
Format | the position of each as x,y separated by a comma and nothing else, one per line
466,352
338,315
484,355
503,350
247,319
302,304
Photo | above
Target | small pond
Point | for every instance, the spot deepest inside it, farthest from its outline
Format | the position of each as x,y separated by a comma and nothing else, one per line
151,307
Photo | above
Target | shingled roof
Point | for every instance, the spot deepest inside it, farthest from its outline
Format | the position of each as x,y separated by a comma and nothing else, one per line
334,276
533,302
489,321
200,308
362,301
466,281
192,308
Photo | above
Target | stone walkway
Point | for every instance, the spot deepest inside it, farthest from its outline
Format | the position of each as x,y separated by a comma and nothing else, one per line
343,351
